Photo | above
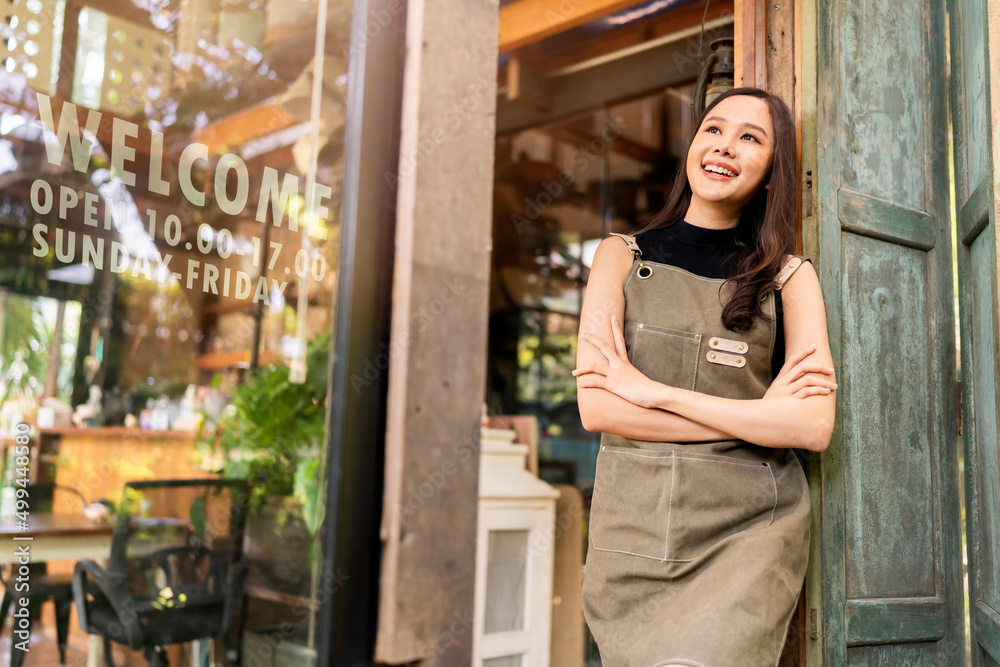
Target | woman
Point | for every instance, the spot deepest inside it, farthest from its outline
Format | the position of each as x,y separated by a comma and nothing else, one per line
704,361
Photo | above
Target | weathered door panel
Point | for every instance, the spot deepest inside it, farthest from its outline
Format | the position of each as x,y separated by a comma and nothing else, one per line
891,537
977,277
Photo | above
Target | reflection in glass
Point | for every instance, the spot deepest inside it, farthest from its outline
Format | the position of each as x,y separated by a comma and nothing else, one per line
169,229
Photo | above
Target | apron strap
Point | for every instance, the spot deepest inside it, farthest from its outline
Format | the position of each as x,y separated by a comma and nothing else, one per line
791,264
630,241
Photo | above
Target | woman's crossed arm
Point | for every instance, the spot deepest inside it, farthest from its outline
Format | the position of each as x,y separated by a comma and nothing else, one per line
614,397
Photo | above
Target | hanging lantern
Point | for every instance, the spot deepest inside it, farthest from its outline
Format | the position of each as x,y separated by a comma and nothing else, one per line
717,74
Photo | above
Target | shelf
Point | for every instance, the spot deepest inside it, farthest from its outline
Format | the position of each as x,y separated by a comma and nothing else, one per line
265,593
116,432
220,361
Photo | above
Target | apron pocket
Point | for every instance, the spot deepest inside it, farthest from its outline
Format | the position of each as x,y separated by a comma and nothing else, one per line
666,355
630,508
716,496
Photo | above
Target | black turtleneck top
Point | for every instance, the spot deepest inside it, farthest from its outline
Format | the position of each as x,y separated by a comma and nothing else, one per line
708,253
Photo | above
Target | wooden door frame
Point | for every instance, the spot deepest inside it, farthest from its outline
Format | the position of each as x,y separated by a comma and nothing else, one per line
977,209
789,70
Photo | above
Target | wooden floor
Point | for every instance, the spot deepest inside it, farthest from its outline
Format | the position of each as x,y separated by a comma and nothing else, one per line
45,650
43,647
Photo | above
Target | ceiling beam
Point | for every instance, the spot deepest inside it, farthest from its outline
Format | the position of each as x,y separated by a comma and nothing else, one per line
580,46
529,21
639,73
252,123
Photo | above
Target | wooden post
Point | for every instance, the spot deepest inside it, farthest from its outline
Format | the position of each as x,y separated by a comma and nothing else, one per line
993,48
750,36
775,50
437,351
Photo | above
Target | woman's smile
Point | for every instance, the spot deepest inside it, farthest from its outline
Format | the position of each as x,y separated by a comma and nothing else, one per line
717,170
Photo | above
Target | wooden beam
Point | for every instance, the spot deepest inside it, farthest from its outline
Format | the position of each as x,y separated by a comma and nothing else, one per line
640,73
235,130
579,46
528,21
526,83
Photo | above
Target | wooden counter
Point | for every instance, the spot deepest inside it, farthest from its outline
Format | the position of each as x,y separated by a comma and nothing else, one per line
98,461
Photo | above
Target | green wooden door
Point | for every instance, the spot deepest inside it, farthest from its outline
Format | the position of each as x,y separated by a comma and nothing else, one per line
890,511
977,277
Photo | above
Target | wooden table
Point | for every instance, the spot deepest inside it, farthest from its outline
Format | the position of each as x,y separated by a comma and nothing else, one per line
56,537
59,537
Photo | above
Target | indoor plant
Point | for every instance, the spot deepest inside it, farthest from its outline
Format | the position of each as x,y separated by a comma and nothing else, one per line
271,433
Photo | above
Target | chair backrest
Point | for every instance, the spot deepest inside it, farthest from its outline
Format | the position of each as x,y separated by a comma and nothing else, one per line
177,541
55,498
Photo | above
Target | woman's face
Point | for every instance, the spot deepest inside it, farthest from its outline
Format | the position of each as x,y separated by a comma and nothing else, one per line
737,139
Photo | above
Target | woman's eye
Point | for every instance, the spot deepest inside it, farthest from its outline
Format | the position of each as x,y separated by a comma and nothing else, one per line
710,128
751,136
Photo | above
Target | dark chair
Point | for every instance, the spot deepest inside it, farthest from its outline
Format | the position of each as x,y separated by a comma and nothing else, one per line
175,573
44,586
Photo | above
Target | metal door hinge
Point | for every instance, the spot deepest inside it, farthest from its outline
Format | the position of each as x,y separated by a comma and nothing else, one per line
807,196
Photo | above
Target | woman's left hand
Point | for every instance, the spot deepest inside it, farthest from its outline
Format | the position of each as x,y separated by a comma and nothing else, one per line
617,374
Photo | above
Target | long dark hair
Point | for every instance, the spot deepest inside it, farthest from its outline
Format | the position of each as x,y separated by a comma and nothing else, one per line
766,229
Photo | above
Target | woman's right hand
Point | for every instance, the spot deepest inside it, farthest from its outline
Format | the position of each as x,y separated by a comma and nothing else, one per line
801,377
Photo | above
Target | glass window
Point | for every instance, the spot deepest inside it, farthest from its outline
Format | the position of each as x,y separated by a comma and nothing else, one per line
168,259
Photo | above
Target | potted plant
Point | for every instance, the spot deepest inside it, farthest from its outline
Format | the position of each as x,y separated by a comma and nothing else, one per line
272,434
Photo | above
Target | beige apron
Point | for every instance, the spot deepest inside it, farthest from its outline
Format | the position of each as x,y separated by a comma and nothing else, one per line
697,551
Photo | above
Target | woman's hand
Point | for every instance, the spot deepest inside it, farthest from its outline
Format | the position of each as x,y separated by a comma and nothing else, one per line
616,373
797,377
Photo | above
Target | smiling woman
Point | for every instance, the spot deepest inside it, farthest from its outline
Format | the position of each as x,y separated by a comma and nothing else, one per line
704,362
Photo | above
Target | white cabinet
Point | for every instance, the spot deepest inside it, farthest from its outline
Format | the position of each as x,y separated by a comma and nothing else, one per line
514,556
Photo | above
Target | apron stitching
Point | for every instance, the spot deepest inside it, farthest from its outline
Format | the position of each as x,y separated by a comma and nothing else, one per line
687,273
735,463
775,482
667,333
697,360
773,326
672,455
670,503
632,553
644,456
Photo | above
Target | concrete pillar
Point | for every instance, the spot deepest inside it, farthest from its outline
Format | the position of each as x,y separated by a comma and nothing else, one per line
437,356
